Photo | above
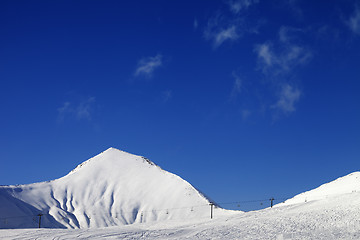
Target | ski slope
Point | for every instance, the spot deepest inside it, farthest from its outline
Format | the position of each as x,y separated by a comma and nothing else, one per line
93,200
113,188
325,219
341,186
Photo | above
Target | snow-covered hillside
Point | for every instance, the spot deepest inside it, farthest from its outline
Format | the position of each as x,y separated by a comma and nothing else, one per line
341,186
326,219
112,188
336,216
140,200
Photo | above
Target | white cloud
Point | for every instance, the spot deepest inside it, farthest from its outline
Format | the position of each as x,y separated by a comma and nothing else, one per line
236,86
265,54
196,24
278,60
237,5
64,110
354,21
286,34
283,34
245,114
281,61
288,97
225,34
284,57
224,27
295,9
167,95
220,35
81,110
146,66
295,55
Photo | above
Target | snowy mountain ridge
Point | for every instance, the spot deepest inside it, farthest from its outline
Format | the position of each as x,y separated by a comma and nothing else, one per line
116,188
78,167
340,186
110,189
331,218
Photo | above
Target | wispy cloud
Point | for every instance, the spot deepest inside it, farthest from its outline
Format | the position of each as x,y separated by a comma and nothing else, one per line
225,34
146,66
63,111
288,96
278,61
224,27
236,85
195,24
245,114
237,5
220,30
265,55
282,57
81,110
294,8
287,34
281,61
354,21
167,95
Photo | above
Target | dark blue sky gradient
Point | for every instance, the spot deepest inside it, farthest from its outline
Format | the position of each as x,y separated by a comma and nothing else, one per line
212,110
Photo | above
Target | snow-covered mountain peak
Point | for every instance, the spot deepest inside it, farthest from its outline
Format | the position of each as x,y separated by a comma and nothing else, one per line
344,185
112,157
112,188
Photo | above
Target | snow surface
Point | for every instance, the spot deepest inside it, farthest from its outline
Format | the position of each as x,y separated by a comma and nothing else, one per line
113,188
343,185
327,219
331,211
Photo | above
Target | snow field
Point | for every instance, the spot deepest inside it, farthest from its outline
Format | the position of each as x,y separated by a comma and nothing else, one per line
117,195
113,188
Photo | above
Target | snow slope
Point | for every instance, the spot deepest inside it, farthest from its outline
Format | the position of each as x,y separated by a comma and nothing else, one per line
110,189
326,219
334,217
343,185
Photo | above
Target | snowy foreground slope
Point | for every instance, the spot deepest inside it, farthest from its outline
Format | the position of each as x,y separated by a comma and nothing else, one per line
113,188
337,217
331,211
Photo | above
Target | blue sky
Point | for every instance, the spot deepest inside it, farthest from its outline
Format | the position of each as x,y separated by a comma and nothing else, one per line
245,99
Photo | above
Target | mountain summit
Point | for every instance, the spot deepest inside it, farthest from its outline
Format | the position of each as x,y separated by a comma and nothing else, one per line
112,188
